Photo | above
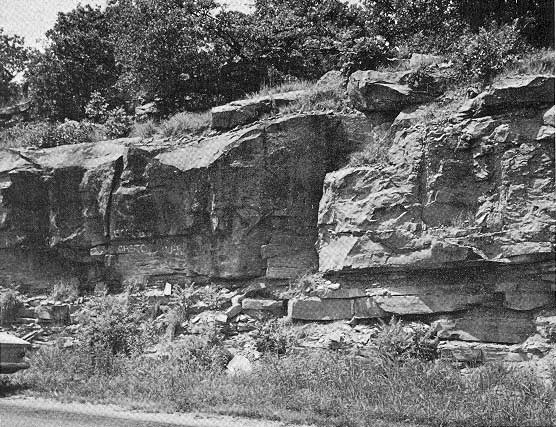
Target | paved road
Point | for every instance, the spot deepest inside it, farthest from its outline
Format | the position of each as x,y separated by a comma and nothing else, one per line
25,412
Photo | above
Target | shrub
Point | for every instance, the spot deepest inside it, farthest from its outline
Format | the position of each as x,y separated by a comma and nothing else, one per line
201,352
46,135
97,108
273,337
108,332
9,304
363,53
68,132
144,130
480,56
397,341
118,123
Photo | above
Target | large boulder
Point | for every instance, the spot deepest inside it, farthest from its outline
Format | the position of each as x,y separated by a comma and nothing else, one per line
511,93
497,326
390,92
239,113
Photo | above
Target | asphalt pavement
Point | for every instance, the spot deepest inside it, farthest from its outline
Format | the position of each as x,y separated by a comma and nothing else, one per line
31,412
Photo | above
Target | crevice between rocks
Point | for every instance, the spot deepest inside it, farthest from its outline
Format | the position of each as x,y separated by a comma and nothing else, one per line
116,179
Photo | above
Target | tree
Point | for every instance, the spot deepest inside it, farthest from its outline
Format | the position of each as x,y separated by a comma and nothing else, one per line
13,58
78,61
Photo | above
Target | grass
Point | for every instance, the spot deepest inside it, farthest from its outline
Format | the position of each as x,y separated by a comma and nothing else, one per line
185,123
538,61
43,134
146,129
323,388
319,99
281,88
400,381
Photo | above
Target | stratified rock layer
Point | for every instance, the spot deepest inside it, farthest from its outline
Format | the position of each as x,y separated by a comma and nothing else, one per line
456,224
238,205
459,219
477,190
239,113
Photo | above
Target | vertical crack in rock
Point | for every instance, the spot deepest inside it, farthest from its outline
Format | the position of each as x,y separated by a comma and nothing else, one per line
116,179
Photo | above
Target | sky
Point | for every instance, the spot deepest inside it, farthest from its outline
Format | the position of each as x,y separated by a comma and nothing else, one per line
32,18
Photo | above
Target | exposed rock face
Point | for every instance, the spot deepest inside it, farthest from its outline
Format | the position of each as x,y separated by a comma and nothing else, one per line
54,206
480,189
238,113
460,219
235,206
457,225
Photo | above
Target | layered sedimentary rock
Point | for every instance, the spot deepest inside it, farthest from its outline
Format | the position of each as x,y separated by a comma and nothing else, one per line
238,205
54,205
388,93
455,224
238,113
460,218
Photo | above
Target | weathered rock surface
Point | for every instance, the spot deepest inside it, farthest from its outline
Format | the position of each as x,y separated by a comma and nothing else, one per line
238,113
460,218
333,79
511,93
473,352
496,325
477,190
428,291
456,223
385,92
238,205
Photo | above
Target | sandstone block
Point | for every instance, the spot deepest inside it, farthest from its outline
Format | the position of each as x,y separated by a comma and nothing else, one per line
496,326
233,311
374,91
238,113
511,93
314,308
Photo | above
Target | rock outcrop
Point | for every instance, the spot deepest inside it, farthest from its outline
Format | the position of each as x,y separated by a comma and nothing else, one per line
239,113
388,93
235,206
456,224
460,220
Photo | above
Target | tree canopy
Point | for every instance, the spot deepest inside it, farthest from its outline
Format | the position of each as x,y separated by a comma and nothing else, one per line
192,54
